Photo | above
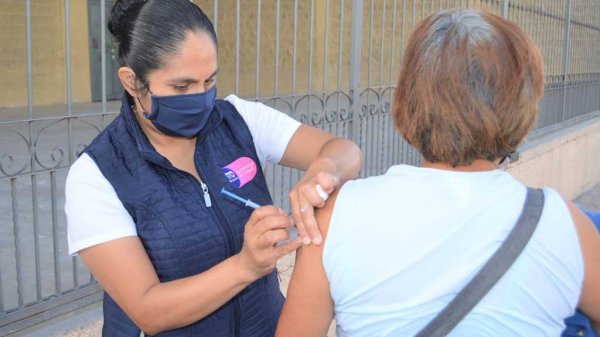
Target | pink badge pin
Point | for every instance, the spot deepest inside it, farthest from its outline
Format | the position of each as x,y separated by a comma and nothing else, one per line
240,172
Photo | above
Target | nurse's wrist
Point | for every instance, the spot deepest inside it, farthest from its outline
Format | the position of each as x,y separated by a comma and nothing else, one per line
244,274
323,164
340,157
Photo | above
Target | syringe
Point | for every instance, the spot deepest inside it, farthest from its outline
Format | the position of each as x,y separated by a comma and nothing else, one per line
292,231
246,202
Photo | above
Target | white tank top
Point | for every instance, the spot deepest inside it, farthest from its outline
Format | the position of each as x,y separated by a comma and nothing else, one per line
401,245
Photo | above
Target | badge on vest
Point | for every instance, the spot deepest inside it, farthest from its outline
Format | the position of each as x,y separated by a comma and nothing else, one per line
240,172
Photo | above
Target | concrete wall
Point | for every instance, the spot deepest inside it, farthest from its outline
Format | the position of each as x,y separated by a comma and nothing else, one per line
47,50
567,160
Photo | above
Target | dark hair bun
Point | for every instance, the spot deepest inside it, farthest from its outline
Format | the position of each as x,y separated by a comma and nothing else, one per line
148,31
122,17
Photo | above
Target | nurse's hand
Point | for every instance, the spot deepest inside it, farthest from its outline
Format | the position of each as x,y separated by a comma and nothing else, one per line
311,192
260,251
327,161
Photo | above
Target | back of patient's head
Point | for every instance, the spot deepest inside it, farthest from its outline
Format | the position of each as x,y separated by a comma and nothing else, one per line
469,87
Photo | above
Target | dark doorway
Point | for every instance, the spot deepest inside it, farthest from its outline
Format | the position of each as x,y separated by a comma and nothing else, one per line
114,90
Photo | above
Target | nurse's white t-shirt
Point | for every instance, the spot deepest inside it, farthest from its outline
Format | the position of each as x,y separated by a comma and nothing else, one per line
96,215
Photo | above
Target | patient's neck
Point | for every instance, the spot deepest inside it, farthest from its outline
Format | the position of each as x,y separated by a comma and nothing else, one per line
478,165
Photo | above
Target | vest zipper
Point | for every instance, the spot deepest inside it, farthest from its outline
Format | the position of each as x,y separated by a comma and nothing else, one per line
230,241
207,201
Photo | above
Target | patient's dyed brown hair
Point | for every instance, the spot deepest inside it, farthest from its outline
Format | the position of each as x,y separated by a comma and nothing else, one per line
469,87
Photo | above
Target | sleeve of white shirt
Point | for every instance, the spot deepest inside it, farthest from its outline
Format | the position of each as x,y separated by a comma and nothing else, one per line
270,129
94,212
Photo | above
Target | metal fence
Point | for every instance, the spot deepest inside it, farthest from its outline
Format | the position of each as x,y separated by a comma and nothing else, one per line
331,64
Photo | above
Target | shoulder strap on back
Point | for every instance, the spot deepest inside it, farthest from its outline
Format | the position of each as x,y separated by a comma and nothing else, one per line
492,271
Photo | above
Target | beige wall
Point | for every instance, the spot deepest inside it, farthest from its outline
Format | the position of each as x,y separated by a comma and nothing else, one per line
47,50
331,34
226,31
381,53
567,159
380,61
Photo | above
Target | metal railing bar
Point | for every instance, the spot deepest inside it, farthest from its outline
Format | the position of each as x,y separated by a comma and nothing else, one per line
29,59
17,240
355,65
58,118
258,32
383,44
325,47
370,51
277,29
394,139
295,50
393,48
341,45
68,74
311,47
276,173
53,205
216,16
237,48
1,293
310,53
31,128
36,235
103,57
74,269
565,65
340,51
298,94
541,12
30,114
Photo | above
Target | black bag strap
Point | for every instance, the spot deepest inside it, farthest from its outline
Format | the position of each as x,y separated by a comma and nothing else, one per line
492,271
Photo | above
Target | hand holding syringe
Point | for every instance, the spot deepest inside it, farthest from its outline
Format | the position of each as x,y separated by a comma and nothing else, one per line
292,231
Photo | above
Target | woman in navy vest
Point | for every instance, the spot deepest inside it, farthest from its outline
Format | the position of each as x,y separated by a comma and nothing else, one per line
144,202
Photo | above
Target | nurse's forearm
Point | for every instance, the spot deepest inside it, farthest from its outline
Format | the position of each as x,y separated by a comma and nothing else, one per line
123,269
314,151
178,303
338,156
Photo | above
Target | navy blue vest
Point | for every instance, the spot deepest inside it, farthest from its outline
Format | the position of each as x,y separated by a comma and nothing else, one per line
181,235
